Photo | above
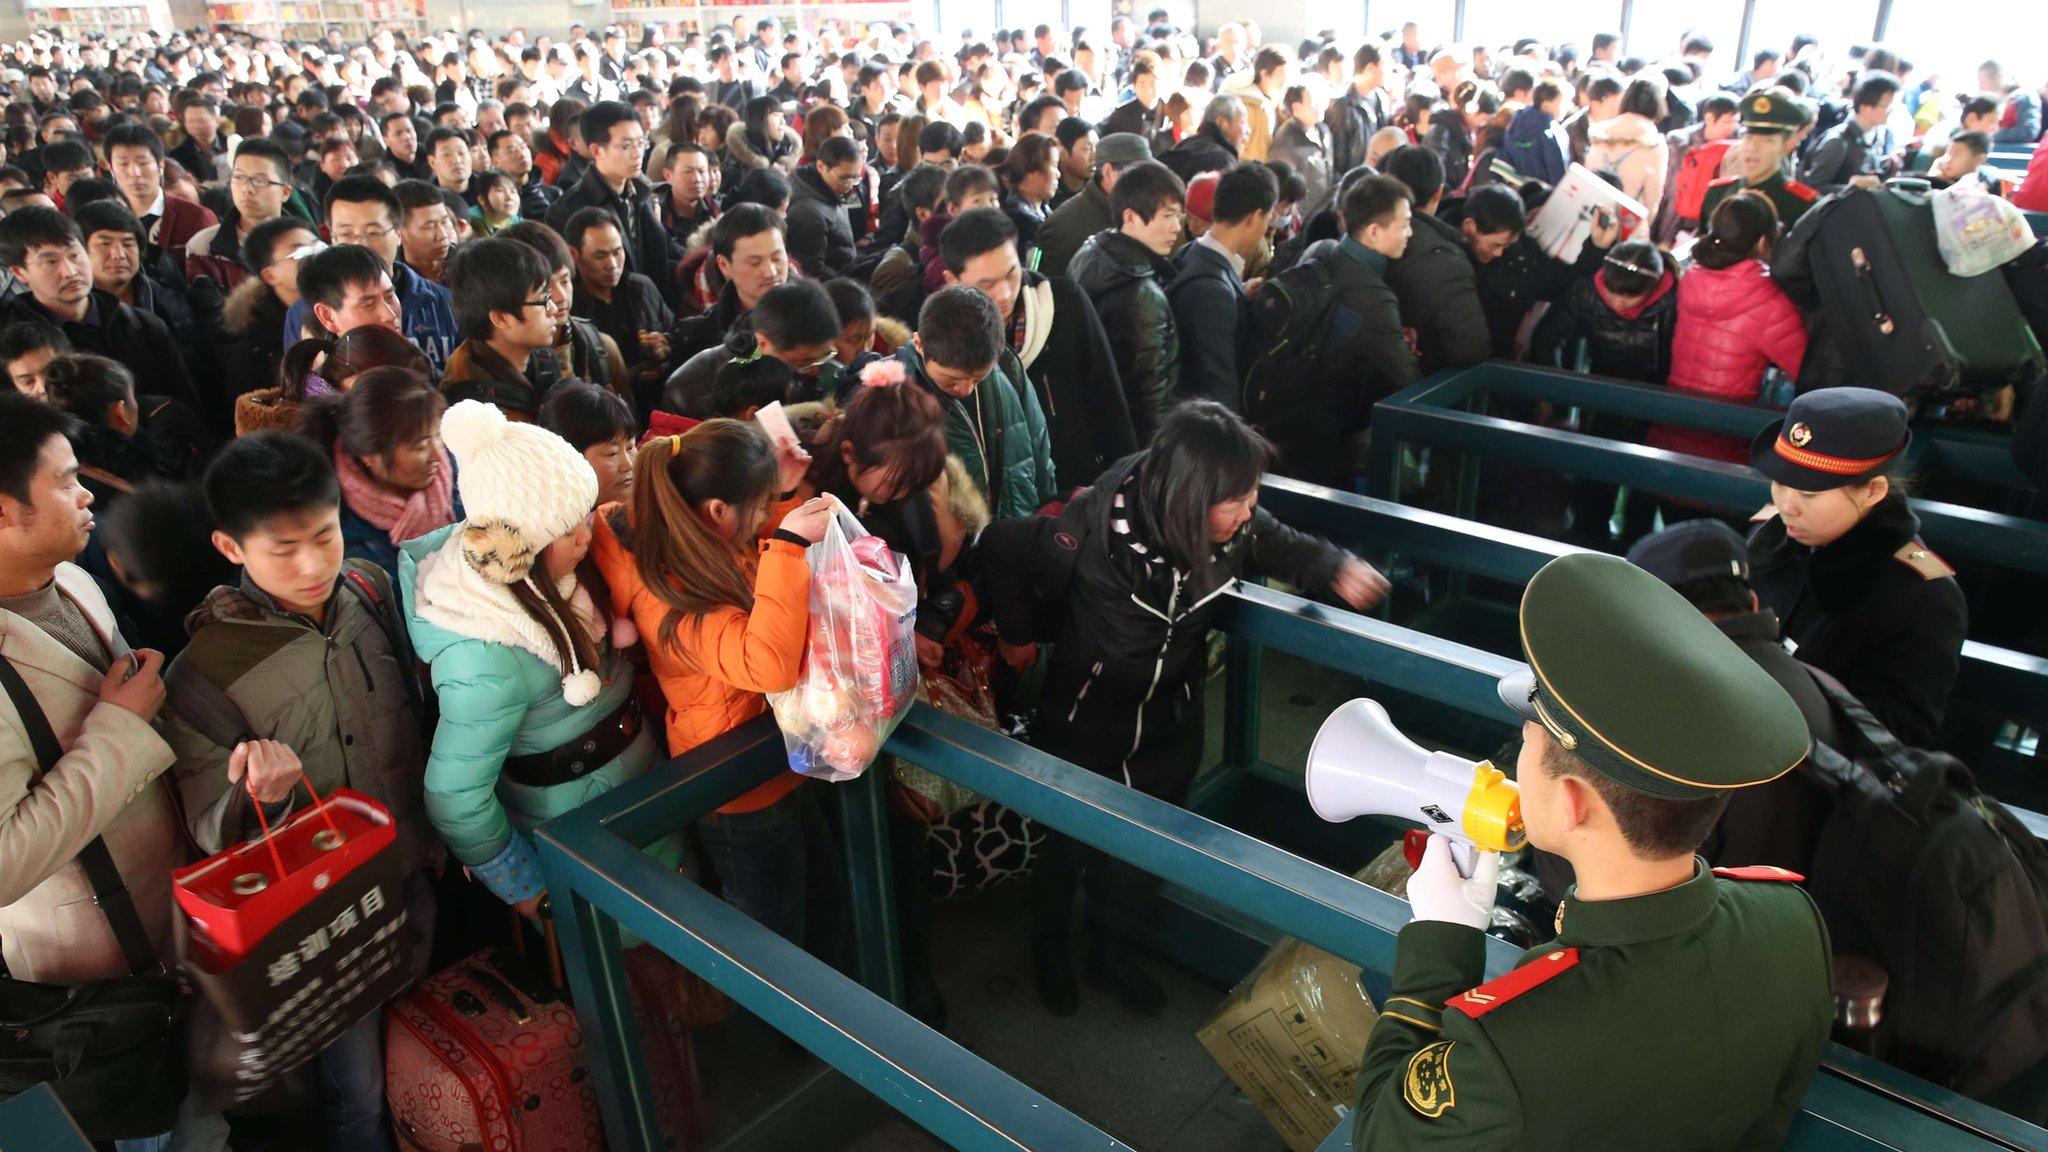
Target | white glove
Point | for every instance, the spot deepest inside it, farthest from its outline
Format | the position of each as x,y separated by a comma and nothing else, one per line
1438,892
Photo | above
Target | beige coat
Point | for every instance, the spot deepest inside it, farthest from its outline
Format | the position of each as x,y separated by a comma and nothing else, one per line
104,784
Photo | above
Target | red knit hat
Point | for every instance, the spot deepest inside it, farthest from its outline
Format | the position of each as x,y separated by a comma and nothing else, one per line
1202,196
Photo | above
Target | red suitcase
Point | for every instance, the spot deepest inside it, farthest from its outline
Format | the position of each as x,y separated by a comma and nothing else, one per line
486,1056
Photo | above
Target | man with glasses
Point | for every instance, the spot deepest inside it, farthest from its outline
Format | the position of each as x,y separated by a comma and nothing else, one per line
820,235
361,210
261,185
507,315
617,141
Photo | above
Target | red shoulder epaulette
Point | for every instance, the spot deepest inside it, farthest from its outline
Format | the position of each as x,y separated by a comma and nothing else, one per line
1803,191
1760,872
1494,993
1723,182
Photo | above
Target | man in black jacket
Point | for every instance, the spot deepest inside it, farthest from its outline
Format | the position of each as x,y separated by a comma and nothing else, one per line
44,251
1125,271
1144,114
1359,352
624,305
1358,113
1208,292
748,246
513,155
820,235
1215,145
1088,212
1053,329
1514,272
617,142
1434,279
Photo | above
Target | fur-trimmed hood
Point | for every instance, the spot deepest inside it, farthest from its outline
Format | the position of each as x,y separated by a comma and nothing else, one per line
782,148
239,310
893,333
265,410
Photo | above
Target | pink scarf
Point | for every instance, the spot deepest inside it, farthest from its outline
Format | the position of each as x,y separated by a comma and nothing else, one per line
403,515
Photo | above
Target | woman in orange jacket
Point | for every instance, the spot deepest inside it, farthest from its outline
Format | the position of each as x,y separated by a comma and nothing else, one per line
722,604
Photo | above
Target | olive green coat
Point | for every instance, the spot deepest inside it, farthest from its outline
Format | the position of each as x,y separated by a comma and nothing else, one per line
1692,1019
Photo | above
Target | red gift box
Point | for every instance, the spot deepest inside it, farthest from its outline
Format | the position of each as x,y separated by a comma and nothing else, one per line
238,896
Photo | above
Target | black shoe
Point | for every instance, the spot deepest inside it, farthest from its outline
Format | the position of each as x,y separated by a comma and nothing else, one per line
1119,968
1052,965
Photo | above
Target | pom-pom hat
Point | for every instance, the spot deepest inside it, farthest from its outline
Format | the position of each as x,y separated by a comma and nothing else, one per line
522,487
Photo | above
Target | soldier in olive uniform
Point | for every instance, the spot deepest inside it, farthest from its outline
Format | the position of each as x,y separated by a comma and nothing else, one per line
1678,1007
1771,120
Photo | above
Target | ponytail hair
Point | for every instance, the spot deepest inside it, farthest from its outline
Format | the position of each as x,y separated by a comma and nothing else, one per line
684,563
1739,224
899,427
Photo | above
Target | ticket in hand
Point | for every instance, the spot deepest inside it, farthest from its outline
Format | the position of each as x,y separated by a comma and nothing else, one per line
775,422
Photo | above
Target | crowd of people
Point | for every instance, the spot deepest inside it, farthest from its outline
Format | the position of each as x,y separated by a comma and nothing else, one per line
473,330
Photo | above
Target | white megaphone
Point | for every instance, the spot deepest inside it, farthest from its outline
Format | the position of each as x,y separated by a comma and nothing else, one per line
1361,765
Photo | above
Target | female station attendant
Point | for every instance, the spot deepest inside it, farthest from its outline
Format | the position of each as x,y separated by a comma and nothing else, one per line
1839,559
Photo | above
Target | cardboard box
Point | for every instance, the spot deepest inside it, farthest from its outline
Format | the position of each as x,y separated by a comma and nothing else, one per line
1291,1037
1563,224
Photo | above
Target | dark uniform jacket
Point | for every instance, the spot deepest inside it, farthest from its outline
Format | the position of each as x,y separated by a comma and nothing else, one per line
1438,289
1876,609
1130,631
646,240
1689,1018
1133,117
1777,822
1127,283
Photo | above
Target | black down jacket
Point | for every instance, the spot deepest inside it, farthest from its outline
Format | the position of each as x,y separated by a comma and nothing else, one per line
1130,632
1635,346
1127,283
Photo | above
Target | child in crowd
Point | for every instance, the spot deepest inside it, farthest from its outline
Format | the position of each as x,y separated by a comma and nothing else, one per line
123,439
1622,318
397,481
301,669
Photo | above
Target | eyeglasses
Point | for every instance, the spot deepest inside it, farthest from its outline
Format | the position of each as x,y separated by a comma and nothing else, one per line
256,183
361,235
635,144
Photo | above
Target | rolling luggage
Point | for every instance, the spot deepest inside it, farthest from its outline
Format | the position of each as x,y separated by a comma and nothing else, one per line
486,1054
1899,319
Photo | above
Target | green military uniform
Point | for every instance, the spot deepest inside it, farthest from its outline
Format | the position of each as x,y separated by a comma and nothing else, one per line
1777,111
1692,1017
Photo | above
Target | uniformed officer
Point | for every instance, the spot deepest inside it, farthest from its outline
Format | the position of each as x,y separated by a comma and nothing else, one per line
1678,1007
1771,119
1838,557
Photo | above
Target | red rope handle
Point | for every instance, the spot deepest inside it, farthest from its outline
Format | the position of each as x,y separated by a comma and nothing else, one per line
263,822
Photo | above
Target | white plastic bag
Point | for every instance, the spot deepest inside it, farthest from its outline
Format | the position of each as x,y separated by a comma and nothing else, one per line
860,663
1977,231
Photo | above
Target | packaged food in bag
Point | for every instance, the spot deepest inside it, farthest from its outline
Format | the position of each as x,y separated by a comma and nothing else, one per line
860,663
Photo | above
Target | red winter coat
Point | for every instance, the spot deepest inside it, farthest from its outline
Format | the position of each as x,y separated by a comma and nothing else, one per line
2032,193
1732,323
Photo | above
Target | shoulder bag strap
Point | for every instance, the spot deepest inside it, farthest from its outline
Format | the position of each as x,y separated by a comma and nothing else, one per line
385,611
109,891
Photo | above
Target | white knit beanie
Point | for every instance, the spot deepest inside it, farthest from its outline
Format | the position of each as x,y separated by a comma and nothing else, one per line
522,487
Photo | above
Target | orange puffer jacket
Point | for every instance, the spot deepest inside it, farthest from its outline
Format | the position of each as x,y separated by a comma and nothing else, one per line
715,674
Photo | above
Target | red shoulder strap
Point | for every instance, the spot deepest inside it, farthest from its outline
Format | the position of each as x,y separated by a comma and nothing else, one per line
1494,993
363,585
1760,872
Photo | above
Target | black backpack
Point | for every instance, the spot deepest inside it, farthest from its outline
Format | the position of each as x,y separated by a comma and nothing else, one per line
1918,870
1289,322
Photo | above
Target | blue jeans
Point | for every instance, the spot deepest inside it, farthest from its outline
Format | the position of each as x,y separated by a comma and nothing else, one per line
192,1132
761,863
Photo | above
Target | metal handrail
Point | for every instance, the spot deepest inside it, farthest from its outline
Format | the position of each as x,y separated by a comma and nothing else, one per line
603,883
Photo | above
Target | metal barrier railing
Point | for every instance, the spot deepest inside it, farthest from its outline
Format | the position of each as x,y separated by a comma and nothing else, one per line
1427,414
603,884
2014,684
